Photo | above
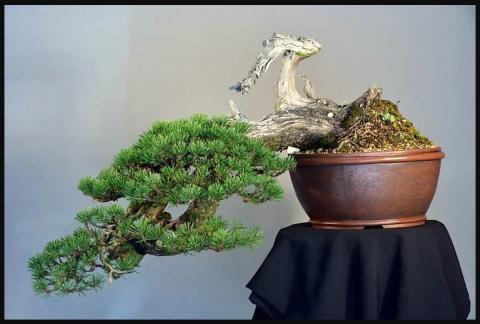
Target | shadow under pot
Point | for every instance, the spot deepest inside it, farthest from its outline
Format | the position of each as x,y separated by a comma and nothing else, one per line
358,190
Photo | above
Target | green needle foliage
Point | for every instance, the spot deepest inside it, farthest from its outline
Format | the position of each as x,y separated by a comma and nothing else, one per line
199,162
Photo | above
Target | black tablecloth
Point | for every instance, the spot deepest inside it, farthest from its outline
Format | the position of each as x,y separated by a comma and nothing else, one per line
405,273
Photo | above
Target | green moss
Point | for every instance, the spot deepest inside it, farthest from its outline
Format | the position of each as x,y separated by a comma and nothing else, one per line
328,141
354,116
380,128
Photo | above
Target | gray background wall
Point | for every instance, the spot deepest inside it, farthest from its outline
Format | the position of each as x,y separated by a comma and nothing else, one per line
83,82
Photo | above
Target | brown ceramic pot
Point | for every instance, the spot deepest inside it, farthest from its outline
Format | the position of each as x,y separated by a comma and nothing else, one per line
355,190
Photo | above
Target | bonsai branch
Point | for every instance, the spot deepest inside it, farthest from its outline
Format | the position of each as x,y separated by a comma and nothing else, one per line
112,272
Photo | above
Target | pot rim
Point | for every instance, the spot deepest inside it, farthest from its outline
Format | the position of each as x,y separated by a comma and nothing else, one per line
433,153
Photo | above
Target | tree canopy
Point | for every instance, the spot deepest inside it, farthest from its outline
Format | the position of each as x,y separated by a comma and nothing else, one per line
197,162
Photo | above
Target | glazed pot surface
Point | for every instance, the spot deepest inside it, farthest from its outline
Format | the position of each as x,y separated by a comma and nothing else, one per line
354,190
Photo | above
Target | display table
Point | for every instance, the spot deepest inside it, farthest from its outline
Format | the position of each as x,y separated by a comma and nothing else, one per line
404,273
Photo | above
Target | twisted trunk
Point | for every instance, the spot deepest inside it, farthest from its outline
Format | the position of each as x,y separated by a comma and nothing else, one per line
198,211
300,121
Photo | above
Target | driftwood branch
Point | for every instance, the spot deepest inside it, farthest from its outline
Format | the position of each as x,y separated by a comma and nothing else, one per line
307,87
235,113
300,121
277,45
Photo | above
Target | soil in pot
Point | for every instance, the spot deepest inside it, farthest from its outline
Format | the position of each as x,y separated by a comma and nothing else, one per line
381,128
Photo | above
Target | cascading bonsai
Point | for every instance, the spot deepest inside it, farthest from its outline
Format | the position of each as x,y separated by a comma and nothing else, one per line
199,162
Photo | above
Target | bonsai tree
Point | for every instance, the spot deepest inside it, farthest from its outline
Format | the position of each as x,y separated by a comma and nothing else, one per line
196,162
201,161
317,124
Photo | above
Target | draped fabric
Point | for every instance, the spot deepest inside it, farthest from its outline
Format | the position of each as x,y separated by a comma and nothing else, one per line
404,273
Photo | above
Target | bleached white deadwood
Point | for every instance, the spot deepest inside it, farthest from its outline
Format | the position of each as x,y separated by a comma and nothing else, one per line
299,121
235,113
307,87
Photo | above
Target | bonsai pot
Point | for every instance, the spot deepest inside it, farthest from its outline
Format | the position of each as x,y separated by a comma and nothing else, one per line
357,190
